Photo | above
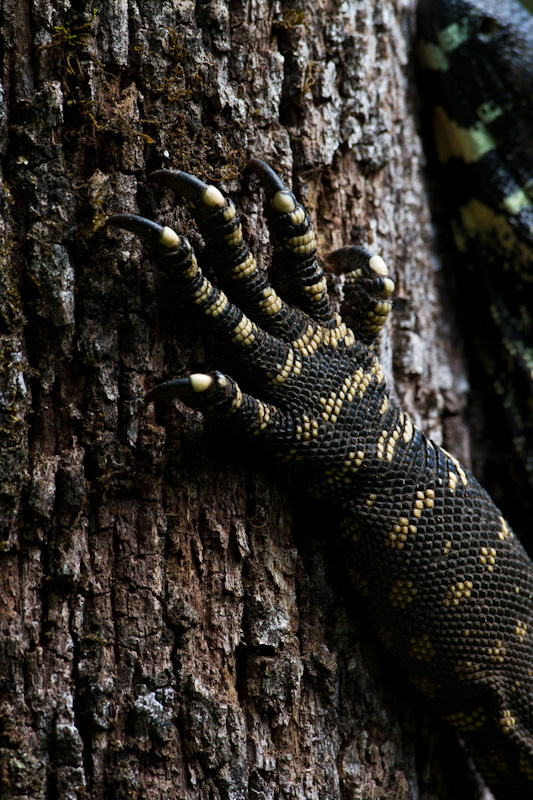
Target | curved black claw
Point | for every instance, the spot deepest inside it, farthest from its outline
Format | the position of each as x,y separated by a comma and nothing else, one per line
281,198
353,257
135,224
181,387
151,233
189,187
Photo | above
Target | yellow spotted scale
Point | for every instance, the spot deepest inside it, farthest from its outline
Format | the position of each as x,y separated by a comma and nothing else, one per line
444,578
476,74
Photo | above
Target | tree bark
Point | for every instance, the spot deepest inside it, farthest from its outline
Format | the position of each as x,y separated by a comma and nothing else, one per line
175,618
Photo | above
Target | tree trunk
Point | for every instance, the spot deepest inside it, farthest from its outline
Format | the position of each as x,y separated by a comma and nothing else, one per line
175,620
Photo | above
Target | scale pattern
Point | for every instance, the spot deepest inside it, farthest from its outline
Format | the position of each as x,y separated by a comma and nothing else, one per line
476,60
445,579
477,78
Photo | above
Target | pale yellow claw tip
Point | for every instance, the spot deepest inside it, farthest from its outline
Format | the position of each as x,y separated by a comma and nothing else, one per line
200,382
389,286
213,197
284,202
169,238
378,266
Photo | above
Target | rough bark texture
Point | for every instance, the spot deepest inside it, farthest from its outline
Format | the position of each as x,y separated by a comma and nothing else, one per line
175,621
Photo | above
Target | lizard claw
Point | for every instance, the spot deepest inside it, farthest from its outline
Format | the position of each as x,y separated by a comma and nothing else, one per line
189,187
152,234
281,199
181,387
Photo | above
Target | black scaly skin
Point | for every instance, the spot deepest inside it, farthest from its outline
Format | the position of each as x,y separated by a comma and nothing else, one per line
477,72
446,582
477,81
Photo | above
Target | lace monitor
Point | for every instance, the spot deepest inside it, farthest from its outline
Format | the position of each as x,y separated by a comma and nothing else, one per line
484,143
446,582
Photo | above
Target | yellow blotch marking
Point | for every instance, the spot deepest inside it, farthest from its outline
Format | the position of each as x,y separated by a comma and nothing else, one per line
353,386
304,243
244,332
467,720
263,416
488,558
384,406
349,467
353,462
229,213
397,537
329,403
237,400
285,369
351,529
351,277
402,593
506,531
516,202
456,34
497,653
429,498
377,318
468,670
423,501
459,591
453,141
234,236
371,499
332,336
408,429
307,430
506,721
388,286
521,629
526,766
271,303
294,455
304,238
431,56
478,219
422,648
317,290
298,216
452,477
310,341
203,292
245,268
361,380
391,445
216,308
349,339
192,269
489,111
380,447
447,548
